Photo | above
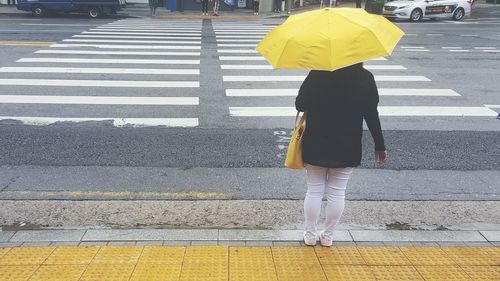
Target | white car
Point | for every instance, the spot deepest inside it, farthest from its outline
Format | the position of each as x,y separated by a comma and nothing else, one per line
416,10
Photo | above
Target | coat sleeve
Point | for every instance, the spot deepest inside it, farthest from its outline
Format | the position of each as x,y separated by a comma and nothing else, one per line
302,102
370,114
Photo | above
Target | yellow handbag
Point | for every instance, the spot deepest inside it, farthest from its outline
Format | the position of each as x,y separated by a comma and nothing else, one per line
293,158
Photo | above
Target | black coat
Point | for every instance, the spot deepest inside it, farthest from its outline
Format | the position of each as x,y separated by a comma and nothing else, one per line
336,103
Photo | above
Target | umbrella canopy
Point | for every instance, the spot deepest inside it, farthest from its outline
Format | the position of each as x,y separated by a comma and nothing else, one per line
329,39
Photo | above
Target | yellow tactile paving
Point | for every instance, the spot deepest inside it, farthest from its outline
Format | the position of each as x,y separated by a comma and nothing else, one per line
396,273
27,255
349,272
58,273
339,255
162,255
383,256
156,272
427,256
214,263
117,255
442,273
483,273
473,256
72,255
17,272
108,272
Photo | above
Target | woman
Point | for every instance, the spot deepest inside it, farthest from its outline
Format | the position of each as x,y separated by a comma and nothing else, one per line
153,4
204,7
256,4
336,102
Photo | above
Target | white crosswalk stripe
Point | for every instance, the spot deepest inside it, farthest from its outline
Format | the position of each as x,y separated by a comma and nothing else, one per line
170,60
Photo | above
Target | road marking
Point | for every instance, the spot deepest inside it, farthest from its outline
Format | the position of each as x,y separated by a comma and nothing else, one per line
102,46
117,122
435,34
491,51
238,51
242,78
26,43
108,61
240,36
239,40
134,41
469,35
166,29
411,34
246,58
381,91
218,33
411,47
416,50
492,105
121,194
26,99
120,53
136,33
459,51
485,48
383,111
100,83
57,24
267,66
237,45
171,33
136,37
81,70
449,48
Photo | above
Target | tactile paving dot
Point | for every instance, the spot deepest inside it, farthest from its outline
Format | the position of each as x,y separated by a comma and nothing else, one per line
204,272
294,272
206,255
427,256
163,255
383,256
294,255
339,255
72,255
16,272
27,255
442,273
472,255
483,273
156,272
58,273
348,272
395,273
117,255
108,272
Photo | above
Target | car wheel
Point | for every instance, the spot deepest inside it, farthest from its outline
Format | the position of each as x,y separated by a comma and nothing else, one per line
94,12
416,15
38,11
458,14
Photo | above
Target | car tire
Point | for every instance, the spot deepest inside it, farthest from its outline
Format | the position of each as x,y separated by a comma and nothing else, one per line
458,14
416,15
94,12
38,11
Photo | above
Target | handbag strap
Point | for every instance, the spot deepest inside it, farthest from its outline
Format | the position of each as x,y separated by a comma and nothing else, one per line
302,119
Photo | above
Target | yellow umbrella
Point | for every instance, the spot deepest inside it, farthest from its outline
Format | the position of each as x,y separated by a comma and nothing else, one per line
329,39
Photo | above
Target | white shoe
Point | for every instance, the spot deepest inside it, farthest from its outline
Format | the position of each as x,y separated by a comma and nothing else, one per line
325,241
310,239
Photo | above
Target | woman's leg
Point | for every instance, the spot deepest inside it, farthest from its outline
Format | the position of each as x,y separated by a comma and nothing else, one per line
316,180
335,194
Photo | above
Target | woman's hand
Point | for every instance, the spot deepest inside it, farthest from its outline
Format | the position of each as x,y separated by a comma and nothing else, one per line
380,157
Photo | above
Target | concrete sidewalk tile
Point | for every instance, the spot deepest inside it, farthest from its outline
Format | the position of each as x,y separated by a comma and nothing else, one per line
10,244
496,244
47,235
273,235
397,244
64,243
424,244
451,244
35,244
150,234
6,235
149,243
176,243
259,243
491,235
92,243
478,244
231,243
286,244
204,243
370,244
416,235
121,243
343,244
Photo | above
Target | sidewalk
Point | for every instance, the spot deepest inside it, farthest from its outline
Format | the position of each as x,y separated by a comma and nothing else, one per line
212,254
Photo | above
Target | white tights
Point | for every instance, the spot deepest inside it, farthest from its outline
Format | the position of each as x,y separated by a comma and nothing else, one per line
333,182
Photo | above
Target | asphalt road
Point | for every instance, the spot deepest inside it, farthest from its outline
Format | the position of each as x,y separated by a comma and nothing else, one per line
458,60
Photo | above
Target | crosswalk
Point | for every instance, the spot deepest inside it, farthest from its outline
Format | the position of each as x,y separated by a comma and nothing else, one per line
131,72
247,74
